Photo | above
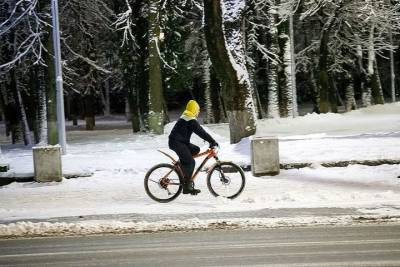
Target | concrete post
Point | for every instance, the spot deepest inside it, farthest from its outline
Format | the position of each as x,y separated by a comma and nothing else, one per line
47,164
265,156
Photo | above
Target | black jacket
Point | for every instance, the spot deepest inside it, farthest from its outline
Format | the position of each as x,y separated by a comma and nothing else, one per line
183,130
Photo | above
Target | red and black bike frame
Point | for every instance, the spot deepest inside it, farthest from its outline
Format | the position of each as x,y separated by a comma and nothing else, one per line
210,153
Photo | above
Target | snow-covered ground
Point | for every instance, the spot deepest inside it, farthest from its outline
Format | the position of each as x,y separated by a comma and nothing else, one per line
120,159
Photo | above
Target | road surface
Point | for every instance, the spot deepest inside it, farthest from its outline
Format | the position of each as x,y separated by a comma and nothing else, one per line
367,245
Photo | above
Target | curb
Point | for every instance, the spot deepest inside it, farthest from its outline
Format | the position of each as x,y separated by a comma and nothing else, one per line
9,177
332,164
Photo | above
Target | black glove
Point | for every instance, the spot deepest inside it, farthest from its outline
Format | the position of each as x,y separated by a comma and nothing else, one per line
213,144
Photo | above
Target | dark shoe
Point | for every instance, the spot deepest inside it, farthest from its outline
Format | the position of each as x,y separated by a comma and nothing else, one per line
195,191
189,189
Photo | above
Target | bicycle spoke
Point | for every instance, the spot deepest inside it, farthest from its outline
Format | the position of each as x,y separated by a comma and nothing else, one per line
169,192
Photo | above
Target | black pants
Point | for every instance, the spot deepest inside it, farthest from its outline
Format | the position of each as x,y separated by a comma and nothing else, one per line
185,153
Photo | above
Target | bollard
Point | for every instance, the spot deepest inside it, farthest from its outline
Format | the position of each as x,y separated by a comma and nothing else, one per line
264,156
47,163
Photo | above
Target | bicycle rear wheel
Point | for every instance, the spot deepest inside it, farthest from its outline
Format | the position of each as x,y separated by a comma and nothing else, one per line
162,183
226,179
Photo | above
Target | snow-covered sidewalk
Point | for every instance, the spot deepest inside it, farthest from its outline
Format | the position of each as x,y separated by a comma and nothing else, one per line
119,161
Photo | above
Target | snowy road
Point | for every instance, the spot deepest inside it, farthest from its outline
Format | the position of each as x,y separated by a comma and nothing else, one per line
376,245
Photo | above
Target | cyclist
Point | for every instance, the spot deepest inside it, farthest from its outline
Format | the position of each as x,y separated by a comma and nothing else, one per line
179,141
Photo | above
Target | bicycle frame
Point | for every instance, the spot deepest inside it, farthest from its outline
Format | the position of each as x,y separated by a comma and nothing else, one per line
210,153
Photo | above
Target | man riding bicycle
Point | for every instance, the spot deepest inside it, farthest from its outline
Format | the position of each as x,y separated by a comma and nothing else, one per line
179,141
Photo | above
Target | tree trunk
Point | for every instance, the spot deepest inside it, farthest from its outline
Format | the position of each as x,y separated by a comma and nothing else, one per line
251,71
19,104
75,108
362,75
295,109
327,94
42,107
2,116
350,101
106,96
273,70
260,109
262,73
4,106
207,91
214,109
156,114
24,119
372,78
325,90
143,94
51,97
11,112
227,56
273,98
314,91
217,98
134,109
211,91
285,81
334,96
33,102
143,99
127,110
165,111
89,102
2,103
142,70
285,70
376,86
392,73
14,124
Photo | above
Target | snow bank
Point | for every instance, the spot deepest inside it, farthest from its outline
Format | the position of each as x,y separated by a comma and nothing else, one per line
30,229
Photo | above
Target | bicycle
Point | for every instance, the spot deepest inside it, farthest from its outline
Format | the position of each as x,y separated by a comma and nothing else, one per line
224,178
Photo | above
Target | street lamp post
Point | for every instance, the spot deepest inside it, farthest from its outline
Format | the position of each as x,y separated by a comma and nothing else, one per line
59,80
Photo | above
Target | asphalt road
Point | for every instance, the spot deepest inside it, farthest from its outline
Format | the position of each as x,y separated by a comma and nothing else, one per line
367,245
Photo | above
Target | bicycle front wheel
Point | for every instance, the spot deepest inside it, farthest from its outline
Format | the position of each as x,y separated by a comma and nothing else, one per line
162,183
226,179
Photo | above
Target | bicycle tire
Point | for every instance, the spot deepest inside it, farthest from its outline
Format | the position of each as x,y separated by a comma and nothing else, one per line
149,179
232,168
